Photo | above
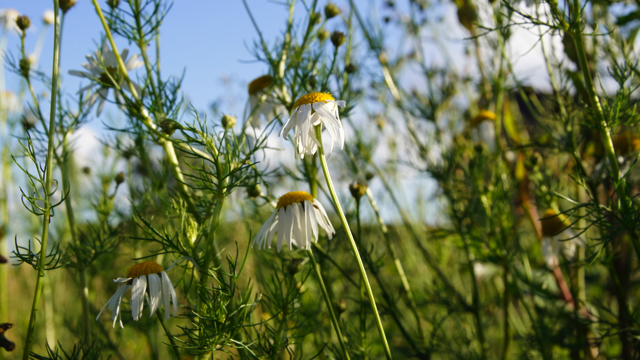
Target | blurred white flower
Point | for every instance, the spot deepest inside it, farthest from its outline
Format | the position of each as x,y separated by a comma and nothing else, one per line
137,278
9,102
105,74
310,110
8,19
296,221
483,130
48,17
264,101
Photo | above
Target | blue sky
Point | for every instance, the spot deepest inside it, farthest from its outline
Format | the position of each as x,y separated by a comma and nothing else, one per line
208,39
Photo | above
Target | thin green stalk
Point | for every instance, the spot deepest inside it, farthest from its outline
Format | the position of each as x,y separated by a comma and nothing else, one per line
84,287
174,346
603,125
505,312
363,310
4,229
55,73
475,295
354,248
162,139
327,300
399,267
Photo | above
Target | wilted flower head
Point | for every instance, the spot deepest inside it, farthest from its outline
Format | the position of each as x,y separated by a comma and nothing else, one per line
296,221
264,100
308,111
483,128
105,74
557,237
139,277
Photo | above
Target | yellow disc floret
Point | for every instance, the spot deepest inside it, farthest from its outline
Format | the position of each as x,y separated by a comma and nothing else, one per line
483,115
553,223
292,198
625,143
144,268
313,97
260,83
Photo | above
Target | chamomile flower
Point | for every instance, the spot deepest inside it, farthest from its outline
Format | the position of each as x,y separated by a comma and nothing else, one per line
296,221
308,111
557,238
264,100
140,277
105,74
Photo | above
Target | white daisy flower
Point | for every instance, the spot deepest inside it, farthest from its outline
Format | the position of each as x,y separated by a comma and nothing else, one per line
105,74
310,110
484,129
296,221
139,277
8,19
48,17
558,238
264,101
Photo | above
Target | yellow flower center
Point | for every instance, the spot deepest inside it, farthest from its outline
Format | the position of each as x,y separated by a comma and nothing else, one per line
144,268
260,83
553,223
292,198
483,115
313,97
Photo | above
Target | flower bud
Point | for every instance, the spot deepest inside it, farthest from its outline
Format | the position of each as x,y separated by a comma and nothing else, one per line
350,68
113,3
86,170
119,178
294,266
338,38
382,57
358,189
341,306
48,17
323,35
228,121
331,10
314,19
169,126
25,66
369,175
313,81
254,190
23,22
65,5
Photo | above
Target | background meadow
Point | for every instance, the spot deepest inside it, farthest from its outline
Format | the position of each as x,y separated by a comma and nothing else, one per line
487,179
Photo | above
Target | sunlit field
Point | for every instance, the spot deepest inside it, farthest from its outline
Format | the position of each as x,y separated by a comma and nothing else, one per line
403,180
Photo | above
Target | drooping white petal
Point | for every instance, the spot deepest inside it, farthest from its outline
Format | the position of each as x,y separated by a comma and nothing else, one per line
174,299
137,296
282,223
155,291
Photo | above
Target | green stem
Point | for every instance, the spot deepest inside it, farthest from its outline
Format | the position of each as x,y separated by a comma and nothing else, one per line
603,126
327,300
399,267
363,310
55,72
505,312
352,242
174,346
